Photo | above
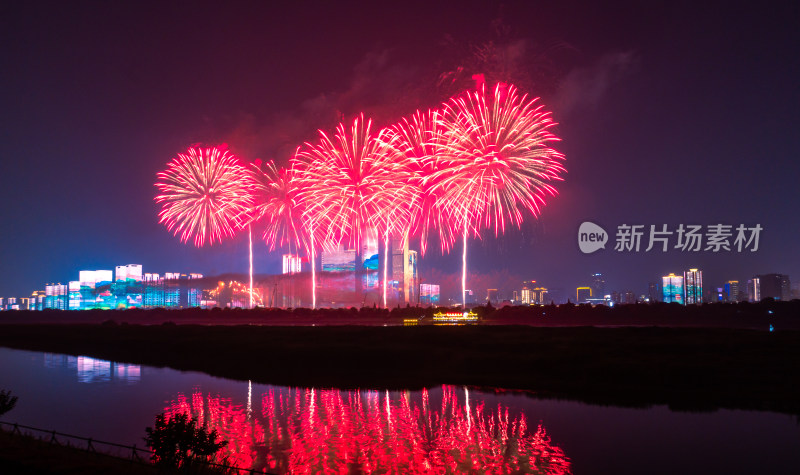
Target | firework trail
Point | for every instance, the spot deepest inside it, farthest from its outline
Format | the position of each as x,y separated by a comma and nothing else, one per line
496,160
204,195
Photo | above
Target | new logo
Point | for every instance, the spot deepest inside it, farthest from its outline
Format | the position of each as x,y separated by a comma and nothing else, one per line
591,237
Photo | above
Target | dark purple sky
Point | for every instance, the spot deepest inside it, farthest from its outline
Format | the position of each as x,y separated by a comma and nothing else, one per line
675,114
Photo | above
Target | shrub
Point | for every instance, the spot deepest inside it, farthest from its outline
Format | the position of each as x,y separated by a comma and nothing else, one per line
179,442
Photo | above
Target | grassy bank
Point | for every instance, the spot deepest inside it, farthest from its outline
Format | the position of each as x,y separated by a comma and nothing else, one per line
686,368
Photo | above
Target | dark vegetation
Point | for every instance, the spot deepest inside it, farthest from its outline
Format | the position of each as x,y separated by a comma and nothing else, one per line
179,442
685,368
782,315
7,401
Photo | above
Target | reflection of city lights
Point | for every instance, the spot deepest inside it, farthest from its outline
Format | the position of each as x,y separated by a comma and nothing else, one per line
313,431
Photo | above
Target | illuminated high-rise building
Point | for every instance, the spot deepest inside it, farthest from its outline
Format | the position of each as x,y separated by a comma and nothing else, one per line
57,296
411,277
540,295
292,264
153,291
129,272
693,283
527,295
754,289
75,301
598,285
731,289
672,288
428,294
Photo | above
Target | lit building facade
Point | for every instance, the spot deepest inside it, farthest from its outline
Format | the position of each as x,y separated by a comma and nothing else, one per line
754,289
672,288
693,283
292,264
731,289
429,295
540,295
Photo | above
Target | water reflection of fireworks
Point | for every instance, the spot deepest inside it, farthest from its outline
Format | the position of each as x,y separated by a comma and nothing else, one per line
329,430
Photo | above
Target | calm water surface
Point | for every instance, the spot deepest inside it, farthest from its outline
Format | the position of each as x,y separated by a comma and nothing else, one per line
436,430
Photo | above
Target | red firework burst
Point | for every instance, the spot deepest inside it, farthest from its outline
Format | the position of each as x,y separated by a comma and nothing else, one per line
205,195
417,140
277,205
352,182
495,158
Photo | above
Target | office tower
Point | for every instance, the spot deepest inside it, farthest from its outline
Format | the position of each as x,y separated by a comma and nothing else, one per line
720,295
74,293
796,290
129,272
398,249
786,288
515,295
292,264
652,292
693,283
672,288
583,294
540,295
630,297
429,294
753,290
776,286
411,278
491,295
598,286
731,288
527,295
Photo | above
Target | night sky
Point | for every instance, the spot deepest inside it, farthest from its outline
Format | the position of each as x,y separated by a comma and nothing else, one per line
684,113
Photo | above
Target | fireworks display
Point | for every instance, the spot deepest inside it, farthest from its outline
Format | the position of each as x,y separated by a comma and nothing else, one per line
353,183
481,161
277,205
205,195
495,160
416,140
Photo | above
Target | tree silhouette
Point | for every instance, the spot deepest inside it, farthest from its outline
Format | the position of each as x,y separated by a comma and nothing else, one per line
178,442
7,401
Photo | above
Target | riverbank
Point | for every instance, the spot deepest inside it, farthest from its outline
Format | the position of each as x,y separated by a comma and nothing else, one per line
685,368
21,453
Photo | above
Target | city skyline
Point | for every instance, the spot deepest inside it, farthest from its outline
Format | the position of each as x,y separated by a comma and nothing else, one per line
656,128
596,288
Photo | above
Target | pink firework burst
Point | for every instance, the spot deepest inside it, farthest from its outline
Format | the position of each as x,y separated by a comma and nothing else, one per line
416,141
496,160
277,205
205,195
352,182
